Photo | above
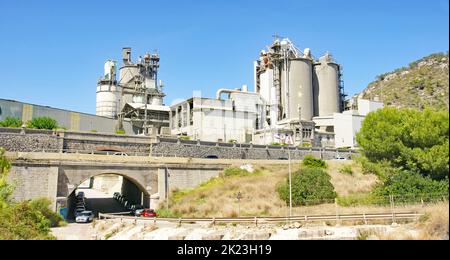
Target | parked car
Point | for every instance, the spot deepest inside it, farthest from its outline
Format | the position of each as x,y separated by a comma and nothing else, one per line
78,211
148,213
85,217
115,195
80,194
120,153
137,210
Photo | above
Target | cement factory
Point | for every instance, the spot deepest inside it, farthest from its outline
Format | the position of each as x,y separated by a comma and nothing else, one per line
297,100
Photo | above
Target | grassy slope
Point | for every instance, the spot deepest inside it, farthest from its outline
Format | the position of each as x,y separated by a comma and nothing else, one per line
218,196
424,83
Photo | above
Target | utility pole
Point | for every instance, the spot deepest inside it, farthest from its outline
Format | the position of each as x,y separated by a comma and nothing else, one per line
290,185
167,175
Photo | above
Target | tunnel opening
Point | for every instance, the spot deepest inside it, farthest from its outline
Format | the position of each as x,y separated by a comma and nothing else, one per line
100,194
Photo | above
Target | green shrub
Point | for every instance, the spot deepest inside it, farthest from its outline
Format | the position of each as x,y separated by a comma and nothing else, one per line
232,141
94,131
42,123
185,137
362,199
408,184
164,213
310,186
311,161
43,206
120,132
234,171
346,169
11,122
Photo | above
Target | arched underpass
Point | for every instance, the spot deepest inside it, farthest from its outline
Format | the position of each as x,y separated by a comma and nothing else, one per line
99,191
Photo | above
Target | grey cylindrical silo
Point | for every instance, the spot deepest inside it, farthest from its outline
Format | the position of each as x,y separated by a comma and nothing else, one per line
326,87
300,91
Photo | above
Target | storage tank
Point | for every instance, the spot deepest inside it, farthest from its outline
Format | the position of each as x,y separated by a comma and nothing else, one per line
107,100
326,86
266,84
300,90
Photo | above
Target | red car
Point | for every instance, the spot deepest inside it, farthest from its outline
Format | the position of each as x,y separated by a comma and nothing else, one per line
149,213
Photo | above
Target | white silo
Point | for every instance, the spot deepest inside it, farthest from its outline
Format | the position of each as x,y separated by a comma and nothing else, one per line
108,93
299,92
326,86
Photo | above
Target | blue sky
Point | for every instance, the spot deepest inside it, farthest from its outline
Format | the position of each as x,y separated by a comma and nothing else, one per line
52,52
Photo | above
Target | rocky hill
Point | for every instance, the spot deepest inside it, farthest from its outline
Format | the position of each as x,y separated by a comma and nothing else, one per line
424,83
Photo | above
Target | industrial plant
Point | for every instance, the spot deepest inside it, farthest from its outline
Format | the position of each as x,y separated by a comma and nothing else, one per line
137,97
297,99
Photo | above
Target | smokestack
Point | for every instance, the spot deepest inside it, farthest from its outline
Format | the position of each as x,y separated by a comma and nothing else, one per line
126,55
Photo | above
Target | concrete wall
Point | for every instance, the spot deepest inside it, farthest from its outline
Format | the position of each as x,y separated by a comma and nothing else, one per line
190,149
108,183
345,128
34,141
34,181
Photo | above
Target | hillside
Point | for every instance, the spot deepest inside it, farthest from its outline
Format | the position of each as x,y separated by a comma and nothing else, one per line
217,197
424,83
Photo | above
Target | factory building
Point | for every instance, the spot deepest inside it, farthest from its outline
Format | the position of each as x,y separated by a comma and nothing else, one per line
339,129
232,119
70,120
295,87
137,96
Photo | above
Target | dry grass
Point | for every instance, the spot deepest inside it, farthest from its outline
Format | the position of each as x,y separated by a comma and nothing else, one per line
346,184
217,198
435,224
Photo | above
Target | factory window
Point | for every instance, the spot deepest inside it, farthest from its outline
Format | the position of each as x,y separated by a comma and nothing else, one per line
234,105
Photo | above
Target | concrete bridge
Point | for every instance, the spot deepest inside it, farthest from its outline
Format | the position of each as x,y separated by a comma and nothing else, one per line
57,175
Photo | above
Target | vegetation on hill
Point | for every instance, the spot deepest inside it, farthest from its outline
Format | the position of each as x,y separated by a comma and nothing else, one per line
25,220
424,83
218,196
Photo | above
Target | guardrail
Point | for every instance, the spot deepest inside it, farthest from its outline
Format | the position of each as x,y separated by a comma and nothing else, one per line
262,220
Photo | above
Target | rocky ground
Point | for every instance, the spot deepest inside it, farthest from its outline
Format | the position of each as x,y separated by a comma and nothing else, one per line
129,230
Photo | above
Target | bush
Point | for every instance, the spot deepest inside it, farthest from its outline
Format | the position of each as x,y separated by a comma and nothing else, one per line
406,184
43,206
234,171
11,122
346,169
185,137
120,132
310,186
43,123
310,161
